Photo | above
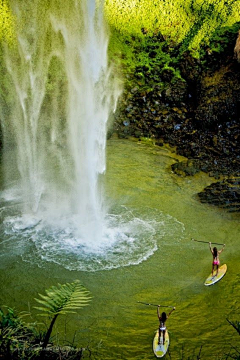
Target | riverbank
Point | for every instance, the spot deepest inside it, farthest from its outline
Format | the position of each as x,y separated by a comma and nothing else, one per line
198,113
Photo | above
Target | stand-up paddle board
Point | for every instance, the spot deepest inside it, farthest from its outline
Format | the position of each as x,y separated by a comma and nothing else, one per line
159,349
215,278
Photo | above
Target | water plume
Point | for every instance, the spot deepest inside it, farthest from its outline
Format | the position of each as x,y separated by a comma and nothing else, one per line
62,92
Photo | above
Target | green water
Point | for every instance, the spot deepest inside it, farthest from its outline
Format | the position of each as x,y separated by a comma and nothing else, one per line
114,325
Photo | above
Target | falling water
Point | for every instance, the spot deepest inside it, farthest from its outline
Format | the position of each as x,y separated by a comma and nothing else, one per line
59,94
62,94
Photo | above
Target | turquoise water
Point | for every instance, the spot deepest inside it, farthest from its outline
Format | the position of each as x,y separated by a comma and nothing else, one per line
153,214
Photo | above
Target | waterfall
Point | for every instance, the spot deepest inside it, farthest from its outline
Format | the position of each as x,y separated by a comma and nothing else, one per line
57,94
61,93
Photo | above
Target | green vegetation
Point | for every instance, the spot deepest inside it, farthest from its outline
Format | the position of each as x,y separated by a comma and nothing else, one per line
137,57
7,36
235,325
190,23
149,38
21,340
144,62
7,23
61,300
15,335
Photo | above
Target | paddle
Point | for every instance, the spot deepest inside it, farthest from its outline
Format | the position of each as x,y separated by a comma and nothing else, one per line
207,242
155,304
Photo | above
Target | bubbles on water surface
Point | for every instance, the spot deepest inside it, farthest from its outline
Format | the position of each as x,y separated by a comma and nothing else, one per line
128,237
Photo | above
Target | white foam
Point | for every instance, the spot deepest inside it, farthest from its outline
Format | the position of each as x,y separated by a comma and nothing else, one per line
126,239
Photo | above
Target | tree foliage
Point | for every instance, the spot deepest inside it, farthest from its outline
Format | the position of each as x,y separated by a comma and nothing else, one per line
189,22
7,23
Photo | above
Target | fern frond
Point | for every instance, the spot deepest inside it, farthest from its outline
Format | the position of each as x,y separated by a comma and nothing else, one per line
63,299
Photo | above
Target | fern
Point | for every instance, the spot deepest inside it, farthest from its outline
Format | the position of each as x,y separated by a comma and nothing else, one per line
62,299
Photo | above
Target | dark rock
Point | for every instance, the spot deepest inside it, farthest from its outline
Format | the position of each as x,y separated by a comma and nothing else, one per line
225,194
185,168
199,115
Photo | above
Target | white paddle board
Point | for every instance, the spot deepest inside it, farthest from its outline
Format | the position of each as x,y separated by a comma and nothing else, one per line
159,349
215,278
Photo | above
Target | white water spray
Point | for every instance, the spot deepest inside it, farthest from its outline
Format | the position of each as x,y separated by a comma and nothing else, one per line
62,94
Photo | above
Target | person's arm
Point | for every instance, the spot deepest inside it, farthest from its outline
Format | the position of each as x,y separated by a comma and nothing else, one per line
210,246
158,311
171,311
221,249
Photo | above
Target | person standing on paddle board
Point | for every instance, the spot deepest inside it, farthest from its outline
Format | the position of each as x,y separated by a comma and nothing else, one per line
215,253
162,319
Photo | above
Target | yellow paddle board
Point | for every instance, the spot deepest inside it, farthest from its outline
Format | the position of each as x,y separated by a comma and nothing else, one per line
215,278
159,349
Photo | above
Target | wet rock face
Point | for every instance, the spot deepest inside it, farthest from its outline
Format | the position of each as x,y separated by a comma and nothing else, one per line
203,125
219,100
225,194
186,168
237,48
199,114
152,113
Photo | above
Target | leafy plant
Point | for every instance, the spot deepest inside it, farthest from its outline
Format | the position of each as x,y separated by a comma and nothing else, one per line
235,325
188,23
140,60
60,300
15,335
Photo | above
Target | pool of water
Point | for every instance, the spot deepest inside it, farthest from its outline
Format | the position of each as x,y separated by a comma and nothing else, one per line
145,254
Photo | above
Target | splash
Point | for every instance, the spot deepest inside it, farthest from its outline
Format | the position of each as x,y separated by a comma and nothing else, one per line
62,92
129,238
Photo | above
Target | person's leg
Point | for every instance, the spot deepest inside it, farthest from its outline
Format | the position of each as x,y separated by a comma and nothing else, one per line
164,337
217,269
159,336
212,269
